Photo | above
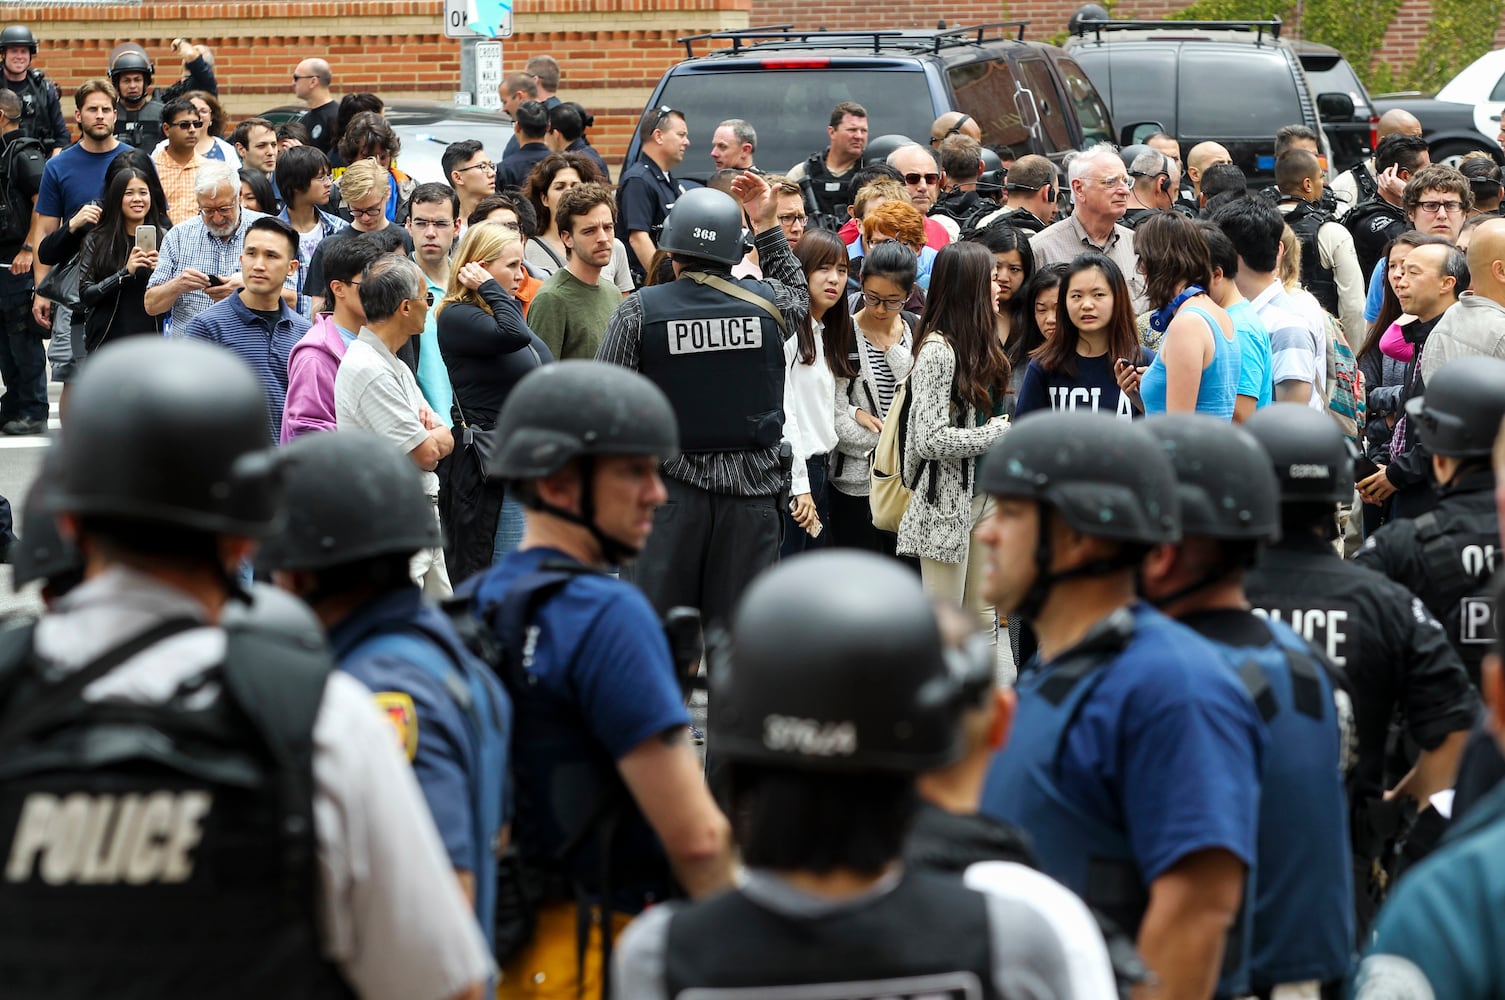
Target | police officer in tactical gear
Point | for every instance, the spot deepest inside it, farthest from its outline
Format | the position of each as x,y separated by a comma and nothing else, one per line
714,345
41,553
139,121
356,516
1230,507
41,101
612,812
251,829
1447,555
1393,652
831,702
1135,756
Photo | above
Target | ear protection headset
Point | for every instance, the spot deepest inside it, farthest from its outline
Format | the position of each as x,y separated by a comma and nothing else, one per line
1163,175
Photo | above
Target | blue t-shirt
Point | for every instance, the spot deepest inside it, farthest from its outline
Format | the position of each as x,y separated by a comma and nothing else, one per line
605,685
1093,387
1219,382
72,179
1254,378
1375,298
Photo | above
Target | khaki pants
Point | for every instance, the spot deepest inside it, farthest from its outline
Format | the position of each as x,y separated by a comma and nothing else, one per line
961,583
548,969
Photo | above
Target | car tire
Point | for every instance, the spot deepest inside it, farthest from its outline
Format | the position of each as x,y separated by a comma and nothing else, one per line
1453,151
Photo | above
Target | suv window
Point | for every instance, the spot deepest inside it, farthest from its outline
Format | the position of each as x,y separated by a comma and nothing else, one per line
790,107
985,90
1097,124
1048,100
1335,76
1269,77
1140,84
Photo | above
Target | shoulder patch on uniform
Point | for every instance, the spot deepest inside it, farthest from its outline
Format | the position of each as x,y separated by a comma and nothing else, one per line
397,706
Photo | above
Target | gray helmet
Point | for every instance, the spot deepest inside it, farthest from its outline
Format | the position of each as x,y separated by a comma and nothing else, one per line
270,610
1460,413
705,224
1133,152
18,34
170,432
1313,461
129,57
1107,477
563,411
822,675
1087,12
877,150
41,553
1223,478
351,496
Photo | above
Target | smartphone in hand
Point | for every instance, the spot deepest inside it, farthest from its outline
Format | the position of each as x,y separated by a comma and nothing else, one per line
146,238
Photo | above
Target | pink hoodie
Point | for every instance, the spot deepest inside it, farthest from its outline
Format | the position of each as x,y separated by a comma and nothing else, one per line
1393,344
311,368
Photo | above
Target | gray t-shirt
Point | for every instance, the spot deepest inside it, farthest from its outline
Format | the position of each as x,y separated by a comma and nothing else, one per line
1045,944
376,392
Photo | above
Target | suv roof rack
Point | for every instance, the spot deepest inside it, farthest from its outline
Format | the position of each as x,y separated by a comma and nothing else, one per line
773,36
1098,25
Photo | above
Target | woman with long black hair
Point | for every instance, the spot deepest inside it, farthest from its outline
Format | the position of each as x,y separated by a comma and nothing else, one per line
957,389
114,267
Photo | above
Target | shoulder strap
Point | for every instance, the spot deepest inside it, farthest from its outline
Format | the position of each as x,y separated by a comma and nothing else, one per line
511,617
544,244
736,291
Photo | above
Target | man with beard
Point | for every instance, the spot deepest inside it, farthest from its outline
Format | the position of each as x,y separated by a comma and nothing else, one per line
571,310
199,263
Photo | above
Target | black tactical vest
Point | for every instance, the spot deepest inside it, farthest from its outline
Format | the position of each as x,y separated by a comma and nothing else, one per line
1458,552
143,128
1305,221
35,121
929,938
162,850
720,361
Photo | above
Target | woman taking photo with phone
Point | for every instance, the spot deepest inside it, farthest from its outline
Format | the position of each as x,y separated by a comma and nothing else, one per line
118,257
957,389
1094,359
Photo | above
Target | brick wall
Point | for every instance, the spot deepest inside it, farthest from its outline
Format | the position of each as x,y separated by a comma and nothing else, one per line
612,51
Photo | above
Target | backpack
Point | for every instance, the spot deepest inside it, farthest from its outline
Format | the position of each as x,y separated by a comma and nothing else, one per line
15,207
1345,385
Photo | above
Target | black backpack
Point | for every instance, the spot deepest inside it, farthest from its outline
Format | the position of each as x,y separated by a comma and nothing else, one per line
15,206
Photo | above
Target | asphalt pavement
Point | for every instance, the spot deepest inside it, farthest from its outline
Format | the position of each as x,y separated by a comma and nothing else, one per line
20,459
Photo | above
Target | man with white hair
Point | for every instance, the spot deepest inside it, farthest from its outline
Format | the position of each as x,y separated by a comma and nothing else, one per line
1100,190
199,262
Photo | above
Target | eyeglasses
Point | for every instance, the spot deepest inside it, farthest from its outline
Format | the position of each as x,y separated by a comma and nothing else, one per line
373,212
888,305
217,211
1121,181
439,224
1439,207
488,167
913,179
794,220
427,298
186,125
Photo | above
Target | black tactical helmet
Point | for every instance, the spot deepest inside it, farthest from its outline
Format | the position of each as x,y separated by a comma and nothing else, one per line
1312,459
41,553
877,150
171,432
129,57
706,224
350,496
1106,477
1087,12
563,411
18,34
1223,478
823,675
1461,411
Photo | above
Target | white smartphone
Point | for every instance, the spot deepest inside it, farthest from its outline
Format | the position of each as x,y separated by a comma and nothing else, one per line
146,238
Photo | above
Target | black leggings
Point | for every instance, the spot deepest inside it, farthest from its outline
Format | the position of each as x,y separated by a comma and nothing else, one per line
852,528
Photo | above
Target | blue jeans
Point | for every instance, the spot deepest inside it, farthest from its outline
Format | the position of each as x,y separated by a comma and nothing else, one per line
509,530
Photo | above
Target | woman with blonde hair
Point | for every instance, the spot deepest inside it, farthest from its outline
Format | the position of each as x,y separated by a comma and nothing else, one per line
487,348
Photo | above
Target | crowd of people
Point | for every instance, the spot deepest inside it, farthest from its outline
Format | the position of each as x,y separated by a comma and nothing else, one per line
1088,574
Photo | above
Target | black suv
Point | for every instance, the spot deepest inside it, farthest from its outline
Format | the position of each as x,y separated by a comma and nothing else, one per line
1230,82
1027,96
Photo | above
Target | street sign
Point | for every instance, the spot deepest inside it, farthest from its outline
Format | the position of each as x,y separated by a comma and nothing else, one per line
489,75
470,18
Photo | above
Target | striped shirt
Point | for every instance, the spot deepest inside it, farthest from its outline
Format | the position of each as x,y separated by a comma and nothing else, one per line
883,375
261,345
754,472
193,245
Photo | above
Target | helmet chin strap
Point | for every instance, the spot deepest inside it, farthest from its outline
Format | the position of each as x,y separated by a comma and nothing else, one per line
1046,580
613,551
1224,568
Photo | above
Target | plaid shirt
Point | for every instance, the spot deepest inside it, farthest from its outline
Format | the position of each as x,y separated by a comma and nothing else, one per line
177,185
193,245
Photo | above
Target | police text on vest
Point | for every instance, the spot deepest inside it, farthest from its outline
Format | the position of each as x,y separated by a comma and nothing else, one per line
101,839
697,336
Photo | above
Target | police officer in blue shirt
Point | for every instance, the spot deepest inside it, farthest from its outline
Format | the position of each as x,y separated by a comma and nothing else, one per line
612,810
646,191
356,514
1230,506
1135,757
